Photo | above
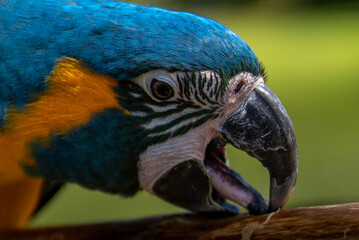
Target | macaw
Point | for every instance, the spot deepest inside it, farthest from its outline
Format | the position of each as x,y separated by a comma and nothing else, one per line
121,97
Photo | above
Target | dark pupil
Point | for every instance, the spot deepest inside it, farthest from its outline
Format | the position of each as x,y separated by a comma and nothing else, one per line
161,90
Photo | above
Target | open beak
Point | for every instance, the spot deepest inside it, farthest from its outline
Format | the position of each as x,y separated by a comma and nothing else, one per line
261,127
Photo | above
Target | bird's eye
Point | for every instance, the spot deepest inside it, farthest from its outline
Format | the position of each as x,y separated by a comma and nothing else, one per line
161,90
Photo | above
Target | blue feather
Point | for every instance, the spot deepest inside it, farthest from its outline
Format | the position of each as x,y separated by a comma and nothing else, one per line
99,155
119,39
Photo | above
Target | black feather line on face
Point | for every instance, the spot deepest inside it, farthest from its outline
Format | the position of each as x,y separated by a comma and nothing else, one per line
192,94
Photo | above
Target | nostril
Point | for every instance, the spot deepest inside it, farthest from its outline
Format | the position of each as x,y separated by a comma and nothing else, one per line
239,87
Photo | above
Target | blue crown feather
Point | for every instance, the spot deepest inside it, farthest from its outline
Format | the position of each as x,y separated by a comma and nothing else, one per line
119,39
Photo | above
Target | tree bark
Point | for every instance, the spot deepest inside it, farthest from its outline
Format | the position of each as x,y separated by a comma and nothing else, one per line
322,222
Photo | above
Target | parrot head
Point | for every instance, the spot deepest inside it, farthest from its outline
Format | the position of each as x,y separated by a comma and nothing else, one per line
186,85
194,116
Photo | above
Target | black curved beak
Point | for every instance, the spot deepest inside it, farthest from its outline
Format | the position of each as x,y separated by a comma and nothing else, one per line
261,127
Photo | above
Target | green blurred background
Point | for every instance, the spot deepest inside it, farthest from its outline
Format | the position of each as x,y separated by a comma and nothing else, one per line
311,52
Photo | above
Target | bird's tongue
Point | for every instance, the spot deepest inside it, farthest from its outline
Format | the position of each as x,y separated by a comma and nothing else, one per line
230,185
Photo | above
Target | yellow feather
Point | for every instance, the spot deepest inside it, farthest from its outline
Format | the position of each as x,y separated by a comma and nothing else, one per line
74,95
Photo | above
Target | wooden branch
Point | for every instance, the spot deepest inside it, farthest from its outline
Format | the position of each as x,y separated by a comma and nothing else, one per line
323,222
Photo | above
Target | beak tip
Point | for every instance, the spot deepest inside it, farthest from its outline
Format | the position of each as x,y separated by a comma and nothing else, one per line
281,193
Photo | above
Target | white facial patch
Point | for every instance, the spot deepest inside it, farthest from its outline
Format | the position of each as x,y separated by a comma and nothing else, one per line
160,158
247,83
